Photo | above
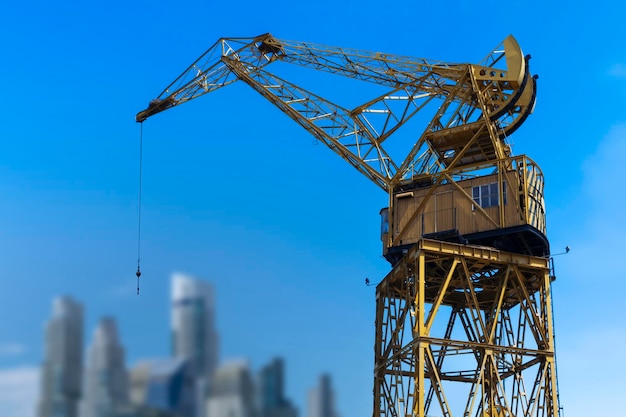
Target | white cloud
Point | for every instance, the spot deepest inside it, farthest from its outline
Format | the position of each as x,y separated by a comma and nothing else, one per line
591,373
590,331
618,71
602,189
19,391
603,170
11,349
123,290
594,228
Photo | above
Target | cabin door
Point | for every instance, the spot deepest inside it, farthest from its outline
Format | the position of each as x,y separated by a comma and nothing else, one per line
445,213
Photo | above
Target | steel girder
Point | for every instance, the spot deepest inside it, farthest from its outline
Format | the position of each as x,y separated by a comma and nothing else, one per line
485,101
464,331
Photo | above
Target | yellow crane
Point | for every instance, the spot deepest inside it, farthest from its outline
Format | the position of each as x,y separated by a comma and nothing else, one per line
464,318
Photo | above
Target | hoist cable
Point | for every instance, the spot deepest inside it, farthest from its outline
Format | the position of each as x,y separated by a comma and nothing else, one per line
138,273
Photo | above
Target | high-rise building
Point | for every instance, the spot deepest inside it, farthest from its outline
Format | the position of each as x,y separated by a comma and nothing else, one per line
194,337
164,386
322,399
61,374
106,380
271,394
232,392
193,324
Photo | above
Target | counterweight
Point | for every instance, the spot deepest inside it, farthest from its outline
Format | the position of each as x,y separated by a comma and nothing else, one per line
467,302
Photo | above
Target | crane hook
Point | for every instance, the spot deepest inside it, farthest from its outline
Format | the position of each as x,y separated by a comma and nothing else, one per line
138,273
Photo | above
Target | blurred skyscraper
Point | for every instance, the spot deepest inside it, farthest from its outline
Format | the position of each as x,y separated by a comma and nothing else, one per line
193,323
106,380
61,374
163,387
322,399
271,391
232,392
194,337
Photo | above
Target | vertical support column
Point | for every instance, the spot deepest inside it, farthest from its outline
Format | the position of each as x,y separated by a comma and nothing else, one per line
501,193
551,393
419,333
378,394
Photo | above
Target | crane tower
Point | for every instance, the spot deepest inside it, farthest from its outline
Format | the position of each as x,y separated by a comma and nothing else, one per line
464,318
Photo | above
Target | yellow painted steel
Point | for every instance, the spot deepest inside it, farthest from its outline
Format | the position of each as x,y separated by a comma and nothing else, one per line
476,107
464,318
498,309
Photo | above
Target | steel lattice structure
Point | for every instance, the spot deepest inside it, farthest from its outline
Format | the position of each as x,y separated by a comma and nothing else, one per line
463,320
467,96
496,340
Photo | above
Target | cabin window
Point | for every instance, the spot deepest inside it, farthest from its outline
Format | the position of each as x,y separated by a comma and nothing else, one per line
487,195
384,223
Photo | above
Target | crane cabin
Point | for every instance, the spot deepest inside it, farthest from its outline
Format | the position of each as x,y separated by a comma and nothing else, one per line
503,208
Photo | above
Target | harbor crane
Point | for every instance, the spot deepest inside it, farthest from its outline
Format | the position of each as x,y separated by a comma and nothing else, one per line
464,318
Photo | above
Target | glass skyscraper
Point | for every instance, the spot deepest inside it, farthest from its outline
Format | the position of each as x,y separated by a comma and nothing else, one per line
232,392
106,380
61,374
322,399
271,394
163,386
193,324
194,337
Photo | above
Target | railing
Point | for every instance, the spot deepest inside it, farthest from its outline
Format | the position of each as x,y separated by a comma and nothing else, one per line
531,184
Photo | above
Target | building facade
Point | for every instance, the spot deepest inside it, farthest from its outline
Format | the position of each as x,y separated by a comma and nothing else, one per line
61,373
193,324
163,387
322,399
232,392
106,380
194,337
272,401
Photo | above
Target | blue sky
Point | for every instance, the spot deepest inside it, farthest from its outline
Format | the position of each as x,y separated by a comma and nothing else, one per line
238,194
